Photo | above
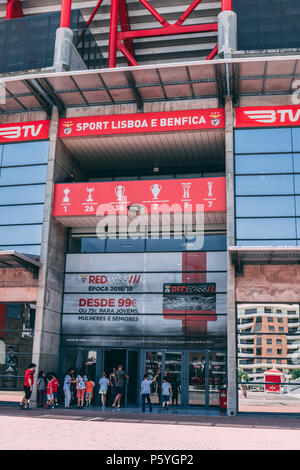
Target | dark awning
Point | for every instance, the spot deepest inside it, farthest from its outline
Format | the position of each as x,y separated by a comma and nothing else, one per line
12,259
264,255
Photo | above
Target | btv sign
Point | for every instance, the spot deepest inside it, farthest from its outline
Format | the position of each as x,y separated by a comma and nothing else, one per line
269,116
142,123
24,131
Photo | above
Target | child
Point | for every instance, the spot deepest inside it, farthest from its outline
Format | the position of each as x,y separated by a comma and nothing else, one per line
103,382
166,390
81,380
41,389
89,391
50,400
55,383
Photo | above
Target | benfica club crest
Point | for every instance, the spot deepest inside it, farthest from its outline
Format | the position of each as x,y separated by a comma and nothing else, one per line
215,119
68,127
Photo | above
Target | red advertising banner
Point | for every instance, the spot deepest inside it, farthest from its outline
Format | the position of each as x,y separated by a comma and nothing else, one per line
24,131
268,116
76,199
142,123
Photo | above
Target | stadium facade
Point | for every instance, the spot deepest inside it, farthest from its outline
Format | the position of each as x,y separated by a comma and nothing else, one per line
150,196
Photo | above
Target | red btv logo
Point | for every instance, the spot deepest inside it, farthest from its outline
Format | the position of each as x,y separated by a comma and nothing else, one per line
18,132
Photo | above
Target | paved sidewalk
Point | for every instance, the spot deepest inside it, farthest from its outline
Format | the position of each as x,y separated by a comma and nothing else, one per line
81,429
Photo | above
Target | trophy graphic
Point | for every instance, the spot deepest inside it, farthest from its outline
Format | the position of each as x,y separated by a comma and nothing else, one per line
186,190
90,198
156,189
66,199
119,191
210,185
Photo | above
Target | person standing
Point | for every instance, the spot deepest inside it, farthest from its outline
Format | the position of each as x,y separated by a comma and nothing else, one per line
50,399
73,386
120,386
41,389
145,391
28,386
244,386
67,388
103,382
112,381
81,380
89,391
175,391
166,390
55,383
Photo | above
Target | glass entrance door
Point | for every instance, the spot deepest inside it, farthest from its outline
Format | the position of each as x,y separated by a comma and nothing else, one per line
207,374
197,380
165,364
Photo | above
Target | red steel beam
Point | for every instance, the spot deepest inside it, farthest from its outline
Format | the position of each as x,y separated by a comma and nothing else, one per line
113,34
226,5
155,13
65,17
130,58
213,53
187,12
125,26
90,20
13,9
170,30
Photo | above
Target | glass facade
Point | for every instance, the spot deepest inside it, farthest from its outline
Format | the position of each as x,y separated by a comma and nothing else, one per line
16,338
28,43
267,186
268,356
267,24
23,173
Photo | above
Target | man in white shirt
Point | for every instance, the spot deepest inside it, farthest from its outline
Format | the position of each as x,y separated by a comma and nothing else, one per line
145,391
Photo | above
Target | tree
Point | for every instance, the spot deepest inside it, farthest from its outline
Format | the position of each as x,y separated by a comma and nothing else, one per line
295,374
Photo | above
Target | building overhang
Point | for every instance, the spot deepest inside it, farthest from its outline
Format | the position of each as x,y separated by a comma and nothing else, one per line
265,255
197,80
14,260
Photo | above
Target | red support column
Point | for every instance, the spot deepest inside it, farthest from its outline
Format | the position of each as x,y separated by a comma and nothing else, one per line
13,9
113,34
226,5
125,26
65,17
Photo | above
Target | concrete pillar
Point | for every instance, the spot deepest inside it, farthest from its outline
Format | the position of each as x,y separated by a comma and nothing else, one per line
227,33
231,313
50,285
63,49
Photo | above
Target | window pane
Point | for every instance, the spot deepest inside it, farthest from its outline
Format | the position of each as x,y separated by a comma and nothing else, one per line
25,153
296,139
23,175
91,245
21,214
254,375
22,194
263,140
296,158
265,206
280,163
266,228
21,234
126,245
265,184
297,184
171,244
